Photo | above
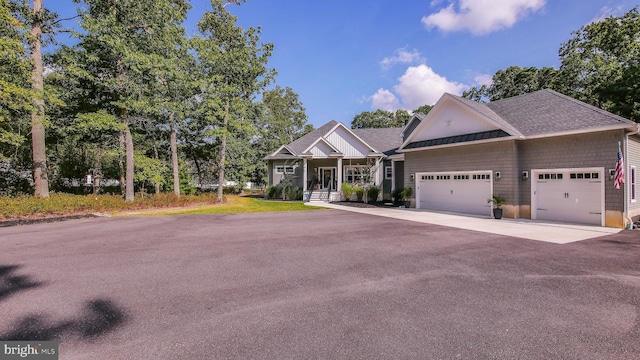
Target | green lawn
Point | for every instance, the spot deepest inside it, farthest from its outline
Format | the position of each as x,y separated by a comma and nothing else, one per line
239,204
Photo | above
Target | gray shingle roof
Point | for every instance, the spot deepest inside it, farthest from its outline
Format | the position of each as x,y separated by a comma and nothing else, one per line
382,140
546,112
301,144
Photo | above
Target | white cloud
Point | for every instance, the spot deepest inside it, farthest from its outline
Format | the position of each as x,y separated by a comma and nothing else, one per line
483,79
481,16
402,57
418,86
385,100
607,11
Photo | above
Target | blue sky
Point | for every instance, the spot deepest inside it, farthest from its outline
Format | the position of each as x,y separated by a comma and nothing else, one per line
347,56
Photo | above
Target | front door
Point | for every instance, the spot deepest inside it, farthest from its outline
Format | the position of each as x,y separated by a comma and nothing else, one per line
327,178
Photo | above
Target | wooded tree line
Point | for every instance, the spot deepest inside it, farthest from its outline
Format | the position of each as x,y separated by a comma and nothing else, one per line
136,99
600,65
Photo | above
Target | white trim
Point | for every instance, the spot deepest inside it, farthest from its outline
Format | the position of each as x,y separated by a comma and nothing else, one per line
452,98
280,149
418,176
581,131
317,141
284,169
415,116
534,177
633,184
339,124
385,172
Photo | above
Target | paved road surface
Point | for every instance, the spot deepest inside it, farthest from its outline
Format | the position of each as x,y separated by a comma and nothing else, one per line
315,285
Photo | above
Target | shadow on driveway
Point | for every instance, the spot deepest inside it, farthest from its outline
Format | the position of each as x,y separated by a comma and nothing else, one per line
97,317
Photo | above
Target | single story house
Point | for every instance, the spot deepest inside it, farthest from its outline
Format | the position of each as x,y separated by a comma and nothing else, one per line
320,161
551,156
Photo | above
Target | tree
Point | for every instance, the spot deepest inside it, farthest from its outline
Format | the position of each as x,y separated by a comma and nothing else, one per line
37,112
514,81
232,66
15,89
383,119
284,116
424,109
114,65
601,64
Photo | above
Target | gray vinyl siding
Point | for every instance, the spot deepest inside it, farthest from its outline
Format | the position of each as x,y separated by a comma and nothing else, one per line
633,159
495,156
274,178
573,151
399,174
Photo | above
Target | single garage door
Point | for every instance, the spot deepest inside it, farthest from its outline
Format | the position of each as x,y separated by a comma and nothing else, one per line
462,192
569,195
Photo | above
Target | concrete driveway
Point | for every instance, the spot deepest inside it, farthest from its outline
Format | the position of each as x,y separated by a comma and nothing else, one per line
315,285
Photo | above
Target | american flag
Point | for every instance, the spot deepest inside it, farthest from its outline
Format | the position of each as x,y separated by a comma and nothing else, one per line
619,176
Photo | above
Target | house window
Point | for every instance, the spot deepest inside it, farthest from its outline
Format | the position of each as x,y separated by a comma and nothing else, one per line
632,180
388,173
281,169
357,174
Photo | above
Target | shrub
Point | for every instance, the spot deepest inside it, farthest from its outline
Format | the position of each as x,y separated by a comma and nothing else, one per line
372,193
347,191
397,195
294,193
406,193
359,192
64,204
273,192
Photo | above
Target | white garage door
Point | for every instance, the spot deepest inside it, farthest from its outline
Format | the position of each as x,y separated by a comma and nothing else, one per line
570,195
463,192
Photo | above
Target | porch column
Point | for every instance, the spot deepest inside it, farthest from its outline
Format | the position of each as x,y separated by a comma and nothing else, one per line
339,174
379,172
304,174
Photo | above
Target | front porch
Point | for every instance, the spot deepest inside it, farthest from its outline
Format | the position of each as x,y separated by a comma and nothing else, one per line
322,179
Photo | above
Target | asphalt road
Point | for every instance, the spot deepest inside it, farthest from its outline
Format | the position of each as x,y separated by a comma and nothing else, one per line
315,285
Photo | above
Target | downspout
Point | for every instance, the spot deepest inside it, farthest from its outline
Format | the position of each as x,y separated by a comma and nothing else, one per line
626,183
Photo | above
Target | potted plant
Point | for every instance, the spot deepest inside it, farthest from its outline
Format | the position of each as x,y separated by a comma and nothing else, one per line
497,202
406,194
347,190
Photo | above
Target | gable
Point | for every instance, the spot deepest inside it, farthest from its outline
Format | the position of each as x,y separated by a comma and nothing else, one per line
321,149
450,118
347,143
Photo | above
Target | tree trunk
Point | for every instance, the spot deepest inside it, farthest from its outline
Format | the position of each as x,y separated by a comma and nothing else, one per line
223,151
39,152
128,139
155,153
174,156
121,146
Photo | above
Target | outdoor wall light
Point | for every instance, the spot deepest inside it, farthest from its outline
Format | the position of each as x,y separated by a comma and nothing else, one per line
412,177
498,175
525,175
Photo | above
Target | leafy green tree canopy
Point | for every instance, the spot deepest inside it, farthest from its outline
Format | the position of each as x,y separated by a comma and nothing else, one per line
601,64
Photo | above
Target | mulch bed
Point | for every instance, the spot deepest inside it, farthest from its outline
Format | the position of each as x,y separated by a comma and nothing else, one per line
360,204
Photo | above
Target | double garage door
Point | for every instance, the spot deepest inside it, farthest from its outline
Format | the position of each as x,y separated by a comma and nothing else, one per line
570,195
463,192
566,195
